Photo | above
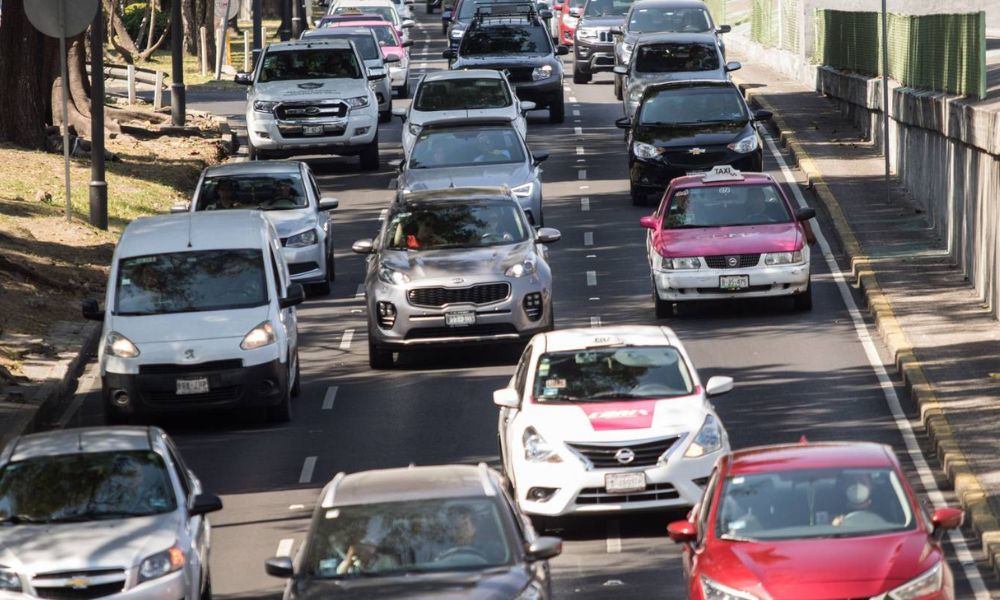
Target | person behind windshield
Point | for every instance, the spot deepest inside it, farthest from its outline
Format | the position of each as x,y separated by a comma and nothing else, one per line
489,150
599,8
857,490
284,193
225,195
464,537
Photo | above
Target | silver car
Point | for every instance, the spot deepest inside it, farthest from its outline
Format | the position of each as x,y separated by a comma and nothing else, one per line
475,152
102,512
288,193
459,266
368,48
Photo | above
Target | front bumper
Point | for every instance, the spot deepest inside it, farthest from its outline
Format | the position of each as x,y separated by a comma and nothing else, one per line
345,136
306,264
544,92
655,174
703,284
593,56
172,586
398,76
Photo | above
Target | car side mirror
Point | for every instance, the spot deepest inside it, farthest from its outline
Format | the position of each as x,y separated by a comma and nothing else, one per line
180,207
243,78
682,532
399,112
539,156
279,566
449,54
547,235
734,65
527,105
363,247
406,44
204,504
392,58
545,13
544,548
623,123
944,519
328,203
717,386
724,28
376,76
408,24
804,214
762,115
648,222
295,294
507,398
620,70
91,309
562,50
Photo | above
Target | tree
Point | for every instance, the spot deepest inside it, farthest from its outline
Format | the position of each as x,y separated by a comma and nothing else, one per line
198,14
26,80
122,40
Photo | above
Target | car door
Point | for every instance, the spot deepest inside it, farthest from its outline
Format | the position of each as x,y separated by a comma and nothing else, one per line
693,552
507,415
287,317
197,532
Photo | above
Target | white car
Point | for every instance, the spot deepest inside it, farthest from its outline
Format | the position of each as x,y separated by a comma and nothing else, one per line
387,9
607,420
402,7
444,96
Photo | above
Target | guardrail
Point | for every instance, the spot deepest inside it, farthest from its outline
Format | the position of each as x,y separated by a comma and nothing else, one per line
134,76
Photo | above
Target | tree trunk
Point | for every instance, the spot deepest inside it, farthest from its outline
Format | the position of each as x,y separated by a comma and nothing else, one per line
119,35
190,26
152,25
25,82
205,17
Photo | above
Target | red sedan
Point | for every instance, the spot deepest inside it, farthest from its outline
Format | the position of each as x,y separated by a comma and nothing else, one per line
814,522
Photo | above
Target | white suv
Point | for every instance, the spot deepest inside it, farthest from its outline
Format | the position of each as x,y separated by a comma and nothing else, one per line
312,97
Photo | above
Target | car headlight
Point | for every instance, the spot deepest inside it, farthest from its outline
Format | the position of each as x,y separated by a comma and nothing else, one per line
301,240
747,144
536,449
587,33
456,34
713,590
392,276
532,592
922,585
521,269
627,52
542,72
259,336
264,106
161,563
783,258
570,21
357,101
9,581
524,190
414,129
708,440
684,262
644,150
120,346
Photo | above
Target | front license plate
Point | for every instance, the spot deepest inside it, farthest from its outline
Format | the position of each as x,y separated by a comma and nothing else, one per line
192,386
460,319
734,282
313,130
623,483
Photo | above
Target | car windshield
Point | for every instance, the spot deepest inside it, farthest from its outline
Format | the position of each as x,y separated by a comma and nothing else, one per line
815,503
721,206
386,35
673,20
261,192
506,39
462,94
607,8
673,58
190,282
692,106
455,225
610,374
85,487
367,47
386,12
436,148
420,536
313,63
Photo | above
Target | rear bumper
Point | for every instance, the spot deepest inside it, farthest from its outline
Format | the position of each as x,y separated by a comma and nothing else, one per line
655,175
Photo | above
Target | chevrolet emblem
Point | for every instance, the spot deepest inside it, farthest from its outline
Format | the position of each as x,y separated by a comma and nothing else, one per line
696,151
78,583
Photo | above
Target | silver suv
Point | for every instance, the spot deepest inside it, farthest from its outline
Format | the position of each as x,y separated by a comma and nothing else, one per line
458,266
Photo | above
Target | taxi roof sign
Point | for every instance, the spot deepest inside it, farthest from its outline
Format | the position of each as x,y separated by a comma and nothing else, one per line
722,173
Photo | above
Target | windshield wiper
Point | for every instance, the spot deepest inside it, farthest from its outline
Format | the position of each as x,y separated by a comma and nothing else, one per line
98,516
692,226
22,520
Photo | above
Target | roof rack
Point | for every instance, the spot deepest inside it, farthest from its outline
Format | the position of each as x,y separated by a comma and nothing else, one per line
510,10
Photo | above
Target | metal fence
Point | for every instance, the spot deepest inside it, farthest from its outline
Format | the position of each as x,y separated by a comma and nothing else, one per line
777,24
718,10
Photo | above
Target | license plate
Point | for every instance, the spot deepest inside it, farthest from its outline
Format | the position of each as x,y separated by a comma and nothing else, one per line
734,282
623,483
313,130
460,319
192,386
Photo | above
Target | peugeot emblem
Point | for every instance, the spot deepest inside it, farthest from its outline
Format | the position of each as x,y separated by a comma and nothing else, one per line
733,261
189,354
696,151
625,456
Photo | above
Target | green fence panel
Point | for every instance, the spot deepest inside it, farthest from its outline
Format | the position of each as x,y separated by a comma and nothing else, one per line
763,26
718,10
848,41
789,29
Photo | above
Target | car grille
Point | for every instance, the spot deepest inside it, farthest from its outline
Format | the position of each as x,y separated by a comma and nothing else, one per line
520,74
221,394
170,369
606,36
299,268
324,109
646,453
68,593
441,296
486,330
726,261
654,492
55,585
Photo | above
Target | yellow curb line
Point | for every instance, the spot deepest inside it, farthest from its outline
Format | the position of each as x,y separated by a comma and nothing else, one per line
968,489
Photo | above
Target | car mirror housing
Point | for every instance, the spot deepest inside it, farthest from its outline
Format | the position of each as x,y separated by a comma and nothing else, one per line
399,112
717,386
562,50
407,24
376,76
733,65
623,123
204,504
363,247
449,54
544,548
279,566
804,214
328,203
506,398
944,519
446,16
180,207
620,70
243,78
406,44
91,309
295,294
648,222
539,156
724,28
392,58
545,13
762,115
682,532
547,235
527,105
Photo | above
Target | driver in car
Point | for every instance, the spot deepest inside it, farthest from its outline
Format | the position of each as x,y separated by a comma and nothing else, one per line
465,539
857,497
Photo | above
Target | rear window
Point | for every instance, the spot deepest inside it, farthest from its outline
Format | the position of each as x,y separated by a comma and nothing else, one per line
678,20
674,58
366,46
506,39
313,63
462,94
607,8
693,106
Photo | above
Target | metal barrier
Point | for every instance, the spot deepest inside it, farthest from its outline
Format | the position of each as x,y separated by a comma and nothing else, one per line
134,76
776,24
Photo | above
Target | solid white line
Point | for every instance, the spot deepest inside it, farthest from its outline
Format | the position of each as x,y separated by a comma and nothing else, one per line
595,321
588,238
331,395
614,538
307,469
360,292
576,113
285,547
578,130
572,98
962,553
591,278
581,174
591,256
584,204
345,342
579,150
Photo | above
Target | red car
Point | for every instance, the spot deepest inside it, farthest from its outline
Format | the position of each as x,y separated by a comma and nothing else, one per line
814,522
567,12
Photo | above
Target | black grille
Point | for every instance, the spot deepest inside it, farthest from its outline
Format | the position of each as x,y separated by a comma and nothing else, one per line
606,36
294,111
533,305
297,268
222,394
68,593
726,262
169,369
520,74
646,453
424,333
476,294
652,493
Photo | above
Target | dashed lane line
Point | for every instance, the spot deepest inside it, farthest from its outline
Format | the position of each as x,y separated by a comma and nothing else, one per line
307,469
585,204
345,342
591,278
614,537
588,238
285,547
330,397
582,174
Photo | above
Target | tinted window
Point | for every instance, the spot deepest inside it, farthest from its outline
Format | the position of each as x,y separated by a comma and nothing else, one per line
672,58
86,487
460,94
717,206
190,282
693,106
600,375
367,47
687,20
322,63
607,8
463,147
506,39
455,225
386,35
262,192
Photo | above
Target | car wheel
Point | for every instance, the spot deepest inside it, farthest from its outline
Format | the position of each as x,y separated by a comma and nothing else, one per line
557,110
378,357
638,196
282,411
664,309
581,77
385,116
804,301
297,386
618,87
369,156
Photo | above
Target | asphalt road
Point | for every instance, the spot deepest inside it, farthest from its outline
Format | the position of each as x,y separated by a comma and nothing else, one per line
796,373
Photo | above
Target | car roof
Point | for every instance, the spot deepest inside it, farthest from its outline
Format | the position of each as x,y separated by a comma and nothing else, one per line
193,231
355,28
309,43
689,181
463,74
255,167
408,484
456,193
579,338
793,457
79,441
669,4
667,37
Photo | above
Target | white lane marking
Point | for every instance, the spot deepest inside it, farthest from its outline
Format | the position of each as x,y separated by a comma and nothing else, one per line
582,174
591,278
307,469
584,187
345,342
585,204
577,120
614,537
934,494
588,238
331,395
576,113
382,214
595,322
579,150
581,160
594,298
591,256
572,98
578,130
285,547
566,88
360,291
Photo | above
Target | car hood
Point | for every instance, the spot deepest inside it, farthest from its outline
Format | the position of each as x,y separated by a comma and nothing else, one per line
601,21
495,584
614,421
312,89
512,174
190,326
417,117
747,239
823,568
397,50
429,265
117,543
499,62
290,222
710,134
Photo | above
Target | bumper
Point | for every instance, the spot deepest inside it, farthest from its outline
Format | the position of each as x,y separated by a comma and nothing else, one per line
656,174
341,136
703,284
543,93
591,57
306,264
384,95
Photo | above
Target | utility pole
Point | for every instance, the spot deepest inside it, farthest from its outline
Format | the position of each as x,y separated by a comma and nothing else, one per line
285,29
885,100
177,92
296,19
258,42
98,185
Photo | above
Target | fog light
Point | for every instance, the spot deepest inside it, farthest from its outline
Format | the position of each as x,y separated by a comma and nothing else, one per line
267,387
361,130
541,494
121,398
386,314
533,305
263,134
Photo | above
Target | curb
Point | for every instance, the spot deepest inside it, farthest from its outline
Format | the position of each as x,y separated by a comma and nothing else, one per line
968,489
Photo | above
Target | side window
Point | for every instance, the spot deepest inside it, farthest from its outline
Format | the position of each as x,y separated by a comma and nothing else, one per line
521,374
182,471
314,187
705,506
277,274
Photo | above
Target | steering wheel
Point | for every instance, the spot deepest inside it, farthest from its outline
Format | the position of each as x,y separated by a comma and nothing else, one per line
458,550
862,517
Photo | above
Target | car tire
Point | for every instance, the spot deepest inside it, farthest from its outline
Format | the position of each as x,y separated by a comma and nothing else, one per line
282,411
638,196
618,87
804,301
557,110
581,77
369,155
297,386
206,591
664,309
385,116
404,92
378,357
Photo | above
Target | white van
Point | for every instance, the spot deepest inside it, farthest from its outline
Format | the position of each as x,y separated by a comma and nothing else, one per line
199,314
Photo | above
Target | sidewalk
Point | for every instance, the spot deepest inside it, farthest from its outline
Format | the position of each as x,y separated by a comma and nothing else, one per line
940,333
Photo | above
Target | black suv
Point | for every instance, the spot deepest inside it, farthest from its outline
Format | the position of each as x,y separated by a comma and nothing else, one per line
594,39
512,37
689,126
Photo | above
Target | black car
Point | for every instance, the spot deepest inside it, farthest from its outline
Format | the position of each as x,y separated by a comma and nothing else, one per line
594,40
689,126
443,532
512,37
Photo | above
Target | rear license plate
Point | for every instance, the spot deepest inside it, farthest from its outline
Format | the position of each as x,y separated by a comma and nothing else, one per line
623,483
734,282
460,319
313,130
192,386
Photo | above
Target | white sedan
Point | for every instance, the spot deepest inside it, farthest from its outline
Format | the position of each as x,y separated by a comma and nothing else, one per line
606,420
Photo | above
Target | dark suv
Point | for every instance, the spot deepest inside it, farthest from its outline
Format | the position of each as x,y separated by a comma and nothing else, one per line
594,41
512,37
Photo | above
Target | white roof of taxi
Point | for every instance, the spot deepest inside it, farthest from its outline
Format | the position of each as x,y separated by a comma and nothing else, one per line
632,335
209,230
